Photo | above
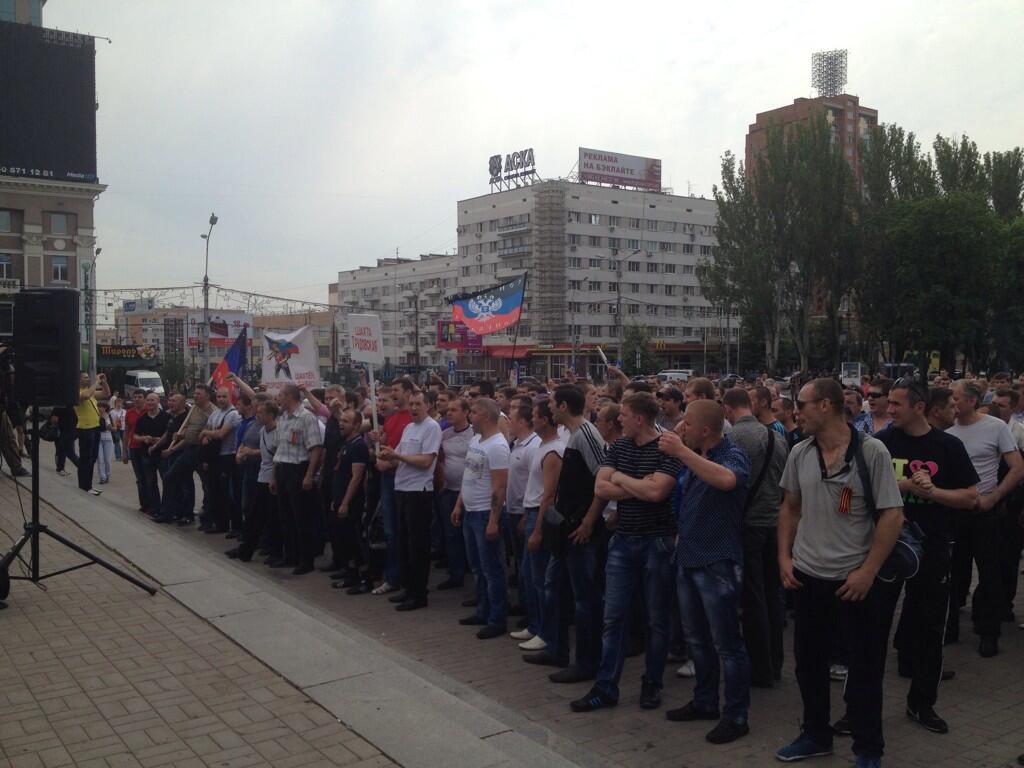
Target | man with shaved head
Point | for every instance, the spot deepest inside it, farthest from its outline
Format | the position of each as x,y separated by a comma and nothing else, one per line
710,496
220,434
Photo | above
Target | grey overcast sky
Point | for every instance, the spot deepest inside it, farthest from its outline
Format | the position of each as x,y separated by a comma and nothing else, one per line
326,134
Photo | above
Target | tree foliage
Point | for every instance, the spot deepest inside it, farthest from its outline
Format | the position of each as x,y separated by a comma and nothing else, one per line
636,339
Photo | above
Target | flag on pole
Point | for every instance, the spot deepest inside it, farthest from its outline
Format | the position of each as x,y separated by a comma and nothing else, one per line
232,362
491,309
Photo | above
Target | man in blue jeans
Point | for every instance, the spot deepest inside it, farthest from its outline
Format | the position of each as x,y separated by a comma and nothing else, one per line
640,478
451,465
478,510
710,496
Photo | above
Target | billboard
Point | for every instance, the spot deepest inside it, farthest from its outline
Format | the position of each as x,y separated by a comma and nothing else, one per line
48,104
290,358
453,334
225,325
126,356
602,167
131,306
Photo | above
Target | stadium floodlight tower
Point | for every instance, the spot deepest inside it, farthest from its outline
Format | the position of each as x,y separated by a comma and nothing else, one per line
828,72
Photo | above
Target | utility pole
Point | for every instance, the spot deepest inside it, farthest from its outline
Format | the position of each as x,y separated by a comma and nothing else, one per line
205,336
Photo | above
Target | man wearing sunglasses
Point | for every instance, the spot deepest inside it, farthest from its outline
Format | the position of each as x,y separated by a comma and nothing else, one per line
936,477
830,551
877,417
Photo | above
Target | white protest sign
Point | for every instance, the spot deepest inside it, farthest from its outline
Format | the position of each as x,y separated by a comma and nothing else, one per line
290,358
365,340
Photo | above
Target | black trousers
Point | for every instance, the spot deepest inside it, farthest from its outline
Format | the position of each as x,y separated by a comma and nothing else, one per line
299,512
415,511
88,445
1011,539
979,542
345,534
257,515
866,625
222,474
922,624
761,600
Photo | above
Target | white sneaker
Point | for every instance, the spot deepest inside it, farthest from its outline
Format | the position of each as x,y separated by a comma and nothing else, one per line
533,644
383,589
521,634
837,672
687,670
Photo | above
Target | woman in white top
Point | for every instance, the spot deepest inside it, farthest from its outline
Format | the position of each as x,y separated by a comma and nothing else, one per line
105,455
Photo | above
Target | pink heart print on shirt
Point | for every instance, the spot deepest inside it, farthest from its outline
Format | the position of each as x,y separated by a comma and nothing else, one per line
930,466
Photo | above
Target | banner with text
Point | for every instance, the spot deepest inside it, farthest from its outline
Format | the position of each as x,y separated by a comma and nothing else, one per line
290,358
455,335
224,328
603,167
365,340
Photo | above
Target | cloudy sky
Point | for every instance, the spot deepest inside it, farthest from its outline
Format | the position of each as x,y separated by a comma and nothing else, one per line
327,134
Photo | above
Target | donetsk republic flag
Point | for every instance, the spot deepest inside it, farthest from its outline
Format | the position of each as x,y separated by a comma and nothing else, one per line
491,309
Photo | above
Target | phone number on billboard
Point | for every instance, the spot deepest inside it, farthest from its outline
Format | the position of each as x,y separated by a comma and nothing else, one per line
13,171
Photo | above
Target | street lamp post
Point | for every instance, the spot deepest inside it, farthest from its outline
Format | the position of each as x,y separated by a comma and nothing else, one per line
205,336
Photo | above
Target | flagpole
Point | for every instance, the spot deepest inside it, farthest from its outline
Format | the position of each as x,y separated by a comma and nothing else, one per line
515,337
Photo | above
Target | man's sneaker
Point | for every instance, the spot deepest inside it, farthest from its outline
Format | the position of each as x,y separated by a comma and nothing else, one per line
868,762
521,634
94,491
803,748
988,647
842,726
533,644
593,700
727,731
837,672
650,695
689,713
687,670
926,716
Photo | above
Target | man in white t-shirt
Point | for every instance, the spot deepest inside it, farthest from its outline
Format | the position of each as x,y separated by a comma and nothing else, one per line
478,509
987,440
414,501
451,466
525,442
541,487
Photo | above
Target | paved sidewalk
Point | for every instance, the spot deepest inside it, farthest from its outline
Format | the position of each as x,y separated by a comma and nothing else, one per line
94,672
983,705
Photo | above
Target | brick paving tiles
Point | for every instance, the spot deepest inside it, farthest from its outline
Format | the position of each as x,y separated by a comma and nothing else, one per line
984,704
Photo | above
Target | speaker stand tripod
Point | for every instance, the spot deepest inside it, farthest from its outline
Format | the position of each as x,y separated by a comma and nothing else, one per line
34,529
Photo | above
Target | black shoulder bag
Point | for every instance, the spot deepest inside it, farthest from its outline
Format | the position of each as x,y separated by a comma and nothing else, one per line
905,559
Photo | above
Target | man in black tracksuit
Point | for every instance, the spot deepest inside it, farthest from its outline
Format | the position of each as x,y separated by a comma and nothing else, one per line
937,480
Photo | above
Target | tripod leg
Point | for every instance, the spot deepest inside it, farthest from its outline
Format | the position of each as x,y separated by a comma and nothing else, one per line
8,558
99,561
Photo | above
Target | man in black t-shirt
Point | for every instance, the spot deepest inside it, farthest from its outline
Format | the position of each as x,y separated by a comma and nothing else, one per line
347,498
149,431
936,477
640,478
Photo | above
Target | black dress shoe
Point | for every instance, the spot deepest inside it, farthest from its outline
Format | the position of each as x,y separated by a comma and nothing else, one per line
362,588
727,731
331,568
571,674
689,713
947,675
411,605
471,603
988,647
472,621
926,717
544,659
186,521
234,553
449,584
399,597
282,564
491,631
593,700
215,529
302,570
650,695
232,535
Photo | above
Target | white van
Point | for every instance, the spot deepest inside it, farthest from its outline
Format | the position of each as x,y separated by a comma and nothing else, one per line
678,374
144,380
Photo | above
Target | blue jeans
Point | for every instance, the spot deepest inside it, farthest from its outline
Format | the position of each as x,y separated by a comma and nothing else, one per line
390,515
454,545
709,601
579,564
532,572
646,560
487,559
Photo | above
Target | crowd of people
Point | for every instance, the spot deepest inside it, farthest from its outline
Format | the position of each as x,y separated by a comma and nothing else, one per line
677,522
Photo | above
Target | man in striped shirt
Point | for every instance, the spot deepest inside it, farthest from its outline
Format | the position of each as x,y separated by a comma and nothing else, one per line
640,478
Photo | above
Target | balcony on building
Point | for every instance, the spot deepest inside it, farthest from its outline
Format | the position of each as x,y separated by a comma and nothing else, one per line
515,250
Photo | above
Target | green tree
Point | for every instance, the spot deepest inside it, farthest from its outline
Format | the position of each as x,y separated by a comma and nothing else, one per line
173,372
959,165
745,272
1005,174
638,344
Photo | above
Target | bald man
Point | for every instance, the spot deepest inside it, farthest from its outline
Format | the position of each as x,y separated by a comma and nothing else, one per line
709,555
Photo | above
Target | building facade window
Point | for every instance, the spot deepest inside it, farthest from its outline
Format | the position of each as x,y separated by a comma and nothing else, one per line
594,242
59,269
60,224
634,223
6,221
595,263
574,239
613,242
614,221
594,218
574,262
595,330
6,268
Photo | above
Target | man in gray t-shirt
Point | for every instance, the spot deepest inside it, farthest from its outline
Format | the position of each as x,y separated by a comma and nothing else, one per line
761,599
830,551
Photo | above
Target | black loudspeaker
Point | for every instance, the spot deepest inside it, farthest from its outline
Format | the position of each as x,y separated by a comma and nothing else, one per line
47,347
